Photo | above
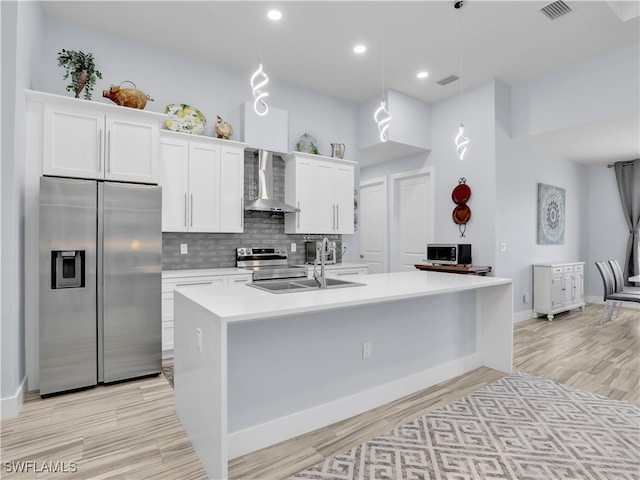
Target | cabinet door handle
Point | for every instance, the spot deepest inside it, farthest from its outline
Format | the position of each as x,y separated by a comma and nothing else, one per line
194,283
100,152
109,151
337,216
333,216
185,210
192,209
298,214
242,213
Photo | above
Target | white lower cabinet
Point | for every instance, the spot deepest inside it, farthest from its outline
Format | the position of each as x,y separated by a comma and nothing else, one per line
171,280
557,287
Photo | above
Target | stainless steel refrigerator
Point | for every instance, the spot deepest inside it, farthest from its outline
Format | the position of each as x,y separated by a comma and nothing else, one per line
100,282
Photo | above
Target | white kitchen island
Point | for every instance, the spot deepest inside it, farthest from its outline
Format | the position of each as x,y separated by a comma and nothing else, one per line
253,368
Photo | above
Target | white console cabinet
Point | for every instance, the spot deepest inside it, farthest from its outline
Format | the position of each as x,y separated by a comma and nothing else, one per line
557,287
322,188
85,139
173,278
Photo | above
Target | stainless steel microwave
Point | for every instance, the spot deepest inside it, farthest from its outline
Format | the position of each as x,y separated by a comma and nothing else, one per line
449,253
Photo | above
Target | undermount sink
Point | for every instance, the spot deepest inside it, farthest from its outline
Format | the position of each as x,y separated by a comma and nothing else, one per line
301,285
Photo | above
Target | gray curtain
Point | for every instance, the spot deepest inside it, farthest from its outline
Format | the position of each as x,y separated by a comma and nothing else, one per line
628,178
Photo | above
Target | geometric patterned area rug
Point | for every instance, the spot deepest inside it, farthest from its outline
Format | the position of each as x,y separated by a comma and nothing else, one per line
519,427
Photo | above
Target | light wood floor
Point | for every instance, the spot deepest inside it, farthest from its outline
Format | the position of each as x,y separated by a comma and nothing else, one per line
130,430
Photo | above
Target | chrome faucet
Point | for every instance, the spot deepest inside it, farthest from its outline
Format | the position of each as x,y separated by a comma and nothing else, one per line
321,248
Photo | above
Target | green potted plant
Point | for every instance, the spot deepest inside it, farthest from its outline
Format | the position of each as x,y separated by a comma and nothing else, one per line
82,69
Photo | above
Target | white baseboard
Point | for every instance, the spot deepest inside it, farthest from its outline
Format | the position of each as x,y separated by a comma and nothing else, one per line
522,316
279,429
10,406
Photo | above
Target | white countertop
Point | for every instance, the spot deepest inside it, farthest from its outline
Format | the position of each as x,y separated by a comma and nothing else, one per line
202,272
556,264
238,303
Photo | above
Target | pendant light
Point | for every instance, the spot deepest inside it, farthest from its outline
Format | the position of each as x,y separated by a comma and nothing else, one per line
461,141
382,116
259,105
258,80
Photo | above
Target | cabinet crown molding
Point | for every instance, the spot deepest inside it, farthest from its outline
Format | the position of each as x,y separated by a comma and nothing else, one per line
109,108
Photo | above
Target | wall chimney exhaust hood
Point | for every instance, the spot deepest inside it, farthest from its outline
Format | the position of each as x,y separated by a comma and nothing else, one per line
265,201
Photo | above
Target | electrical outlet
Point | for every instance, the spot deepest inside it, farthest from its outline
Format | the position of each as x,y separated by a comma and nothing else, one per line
525,296
293,247
366,350
184,249
503,248
199,339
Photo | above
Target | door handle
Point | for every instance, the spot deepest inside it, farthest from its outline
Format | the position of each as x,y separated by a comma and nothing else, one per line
192,209
185,210
298,214
337,216
241,213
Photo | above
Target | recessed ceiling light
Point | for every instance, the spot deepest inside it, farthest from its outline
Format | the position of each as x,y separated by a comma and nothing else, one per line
274,15
422,74
359,49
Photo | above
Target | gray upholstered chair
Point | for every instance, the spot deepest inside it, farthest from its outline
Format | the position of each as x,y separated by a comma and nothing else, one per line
611,297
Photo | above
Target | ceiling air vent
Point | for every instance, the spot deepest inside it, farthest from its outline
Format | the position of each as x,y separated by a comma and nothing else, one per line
556,10
449,79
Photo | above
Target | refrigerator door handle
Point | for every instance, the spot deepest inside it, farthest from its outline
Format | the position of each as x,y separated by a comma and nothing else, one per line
185,210
100,280
191,210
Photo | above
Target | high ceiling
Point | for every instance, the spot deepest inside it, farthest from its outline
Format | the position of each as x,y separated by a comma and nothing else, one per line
312,45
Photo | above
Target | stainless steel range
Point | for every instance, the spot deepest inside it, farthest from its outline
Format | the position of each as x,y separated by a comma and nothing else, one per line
268,263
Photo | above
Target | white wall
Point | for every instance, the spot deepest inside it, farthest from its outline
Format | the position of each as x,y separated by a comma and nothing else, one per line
602,87
607,230
478,168
18,60
519,170
213,89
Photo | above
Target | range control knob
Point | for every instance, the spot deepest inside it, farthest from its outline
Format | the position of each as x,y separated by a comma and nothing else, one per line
241,251
248,251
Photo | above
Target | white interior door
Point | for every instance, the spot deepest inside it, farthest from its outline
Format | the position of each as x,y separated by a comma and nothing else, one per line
412,218
373,225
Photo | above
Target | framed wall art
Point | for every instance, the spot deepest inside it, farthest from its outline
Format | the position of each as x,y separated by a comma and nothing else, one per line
550,215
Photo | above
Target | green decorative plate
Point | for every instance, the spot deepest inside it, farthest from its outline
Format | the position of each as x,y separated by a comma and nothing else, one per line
184,118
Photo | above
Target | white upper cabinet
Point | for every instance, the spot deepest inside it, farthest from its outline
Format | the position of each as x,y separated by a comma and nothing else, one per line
86,139
322,188
174,177
231,188
202,182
